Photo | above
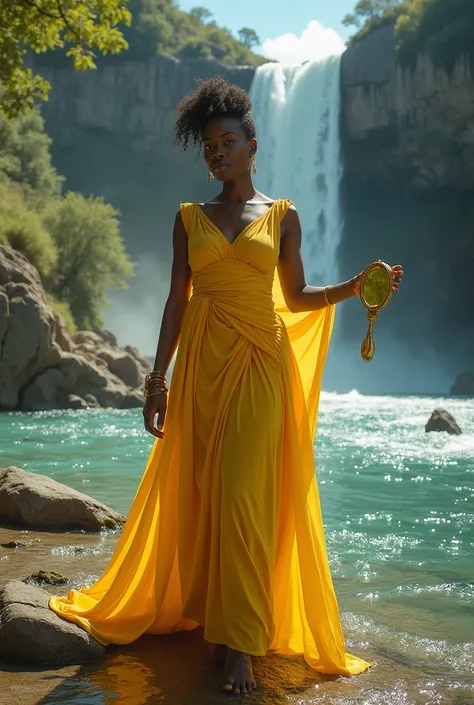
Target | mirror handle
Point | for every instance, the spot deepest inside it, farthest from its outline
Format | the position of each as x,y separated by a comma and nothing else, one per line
367,349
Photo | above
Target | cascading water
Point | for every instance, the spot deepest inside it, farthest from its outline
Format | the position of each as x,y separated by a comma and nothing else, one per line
297,110
297,113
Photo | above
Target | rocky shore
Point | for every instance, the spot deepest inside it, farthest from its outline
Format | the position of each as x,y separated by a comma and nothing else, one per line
42,366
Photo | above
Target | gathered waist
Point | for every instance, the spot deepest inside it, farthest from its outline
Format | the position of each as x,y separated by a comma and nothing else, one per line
234,282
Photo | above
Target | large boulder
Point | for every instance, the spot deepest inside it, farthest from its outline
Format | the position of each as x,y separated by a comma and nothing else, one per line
441,420
31,633
28,327
43,367
28,499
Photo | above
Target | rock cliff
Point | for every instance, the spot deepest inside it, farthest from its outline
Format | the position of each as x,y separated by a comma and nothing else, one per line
42,366
408,125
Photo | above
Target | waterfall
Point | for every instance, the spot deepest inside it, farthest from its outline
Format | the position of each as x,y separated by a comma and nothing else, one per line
296,109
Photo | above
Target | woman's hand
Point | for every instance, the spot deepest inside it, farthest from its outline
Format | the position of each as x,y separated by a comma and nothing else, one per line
154,413
397,272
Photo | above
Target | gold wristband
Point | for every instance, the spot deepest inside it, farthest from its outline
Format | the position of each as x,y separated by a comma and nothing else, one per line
325,292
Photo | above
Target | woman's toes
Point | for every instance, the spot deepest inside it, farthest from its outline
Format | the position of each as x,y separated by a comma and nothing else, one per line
228,688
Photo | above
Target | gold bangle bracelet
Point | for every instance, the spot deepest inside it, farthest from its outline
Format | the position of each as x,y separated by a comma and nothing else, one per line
154,394
325,292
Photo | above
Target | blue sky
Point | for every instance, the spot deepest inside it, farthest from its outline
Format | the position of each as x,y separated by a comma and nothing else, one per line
275,21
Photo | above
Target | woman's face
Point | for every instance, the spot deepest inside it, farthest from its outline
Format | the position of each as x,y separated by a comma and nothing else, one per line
226,148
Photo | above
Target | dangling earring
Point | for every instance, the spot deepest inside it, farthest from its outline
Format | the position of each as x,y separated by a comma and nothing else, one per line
210,176
252,166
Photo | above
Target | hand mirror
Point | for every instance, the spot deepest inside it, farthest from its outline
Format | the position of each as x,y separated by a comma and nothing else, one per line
376,288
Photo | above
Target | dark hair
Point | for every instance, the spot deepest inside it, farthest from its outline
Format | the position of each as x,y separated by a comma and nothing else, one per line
213,98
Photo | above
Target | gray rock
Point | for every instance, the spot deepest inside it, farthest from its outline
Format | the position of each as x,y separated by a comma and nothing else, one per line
407,124
441,420
122,365
75,402
31,633
464,383
28,499
41,366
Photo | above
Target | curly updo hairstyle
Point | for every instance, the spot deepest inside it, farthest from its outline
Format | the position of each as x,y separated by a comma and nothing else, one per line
213,98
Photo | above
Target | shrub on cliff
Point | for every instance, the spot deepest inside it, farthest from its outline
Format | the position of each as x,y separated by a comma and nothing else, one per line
25,157
91,256
22,228
74,242
443,30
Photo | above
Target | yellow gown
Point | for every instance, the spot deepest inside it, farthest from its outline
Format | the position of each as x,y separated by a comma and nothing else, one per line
225,530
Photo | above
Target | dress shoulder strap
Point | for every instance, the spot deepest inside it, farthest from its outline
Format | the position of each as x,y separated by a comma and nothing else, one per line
281,207
188,215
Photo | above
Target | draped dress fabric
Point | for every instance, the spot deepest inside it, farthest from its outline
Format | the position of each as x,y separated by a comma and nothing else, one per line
225,530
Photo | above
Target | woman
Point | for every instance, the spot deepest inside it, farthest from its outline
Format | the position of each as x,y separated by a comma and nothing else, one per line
225,530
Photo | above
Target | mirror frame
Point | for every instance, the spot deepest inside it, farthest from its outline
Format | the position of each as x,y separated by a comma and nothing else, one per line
376,265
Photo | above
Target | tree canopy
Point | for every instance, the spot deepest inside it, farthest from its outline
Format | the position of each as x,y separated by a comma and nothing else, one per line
81,31
444,29
79,27
73,241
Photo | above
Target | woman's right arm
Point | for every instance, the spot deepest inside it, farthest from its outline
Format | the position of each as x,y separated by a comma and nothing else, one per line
171,324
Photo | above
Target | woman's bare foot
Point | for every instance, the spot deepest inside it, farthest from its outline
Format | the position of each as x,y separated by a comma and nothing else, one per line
218,653
238,673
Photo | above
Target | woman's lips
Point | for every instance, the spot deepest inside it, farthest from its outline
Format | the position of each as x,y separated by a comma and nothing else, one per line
219,167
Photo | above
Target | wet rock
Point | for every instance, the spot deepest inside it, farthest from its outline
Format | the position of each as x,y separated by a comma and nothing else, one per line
13,544
46,577
31,633
75,402
441,420
31,500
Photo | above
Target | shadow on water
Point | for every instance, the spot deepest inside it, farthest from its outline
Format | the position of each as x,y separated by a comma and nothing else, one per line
176,670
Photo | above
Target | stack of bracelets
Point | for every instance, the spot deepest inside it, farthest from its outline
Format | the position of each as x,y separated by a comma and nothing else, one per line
155,383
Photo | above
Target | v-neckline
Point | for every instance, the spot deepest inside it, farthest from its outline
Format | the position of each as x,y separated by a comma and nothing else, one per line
242,232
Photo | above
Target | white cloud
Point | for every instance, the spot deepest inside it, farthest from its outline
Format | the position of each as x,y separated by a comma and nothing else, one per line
315,43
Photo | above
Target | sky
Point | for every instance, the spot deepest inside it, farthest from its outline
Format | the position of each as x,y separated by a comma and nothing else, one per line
289,32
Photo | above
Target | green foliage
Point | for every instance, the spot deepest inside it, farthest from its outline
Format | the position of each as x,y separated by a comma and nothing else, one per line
22,228
63,310
91,256
249,37
160,27
369,14
79,27
444,30
25,157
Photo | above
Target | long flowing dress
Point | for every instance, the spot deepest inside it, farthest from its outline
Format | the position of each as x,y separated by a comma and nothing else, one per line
225,530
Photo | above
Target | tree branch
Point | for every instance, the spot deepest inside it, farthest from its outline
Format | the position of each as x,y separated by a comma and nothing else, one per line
66,22
32,3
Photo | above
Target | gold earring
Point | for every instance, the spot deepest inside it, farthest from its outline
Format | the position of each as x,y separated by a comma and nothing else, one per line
210,176
252,166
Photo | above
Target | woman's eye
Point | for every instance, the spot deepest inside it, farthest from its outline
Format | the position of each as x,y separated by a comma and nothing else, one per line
229,141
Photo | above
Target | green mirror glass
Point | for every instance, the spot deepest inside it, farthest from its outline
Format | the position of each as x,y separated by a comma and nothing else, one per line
376,290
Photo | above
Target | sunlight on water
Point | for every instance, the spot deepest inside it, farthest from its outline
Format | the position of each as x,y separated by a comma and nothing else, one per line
398,506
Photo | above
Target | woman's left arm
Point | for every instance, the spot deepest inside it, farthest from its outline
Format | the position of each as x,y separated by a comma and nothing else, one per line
298,295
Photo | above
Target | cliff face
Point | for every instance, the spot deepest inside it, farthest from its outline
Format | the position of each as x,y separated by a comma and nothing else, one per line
112,133
408,190
407,124
408,149
134,100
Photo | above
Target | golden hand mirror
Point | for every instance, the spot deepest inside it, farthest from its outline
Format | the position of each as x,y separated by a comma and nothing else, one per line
376,288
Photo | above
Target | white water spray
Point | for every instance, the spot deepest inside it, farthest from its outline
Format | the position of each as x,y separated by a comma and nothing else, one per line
296,109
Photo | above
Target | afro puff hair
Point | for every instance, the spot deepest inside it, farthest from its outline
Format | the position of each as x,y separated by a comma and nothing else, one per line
213,98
